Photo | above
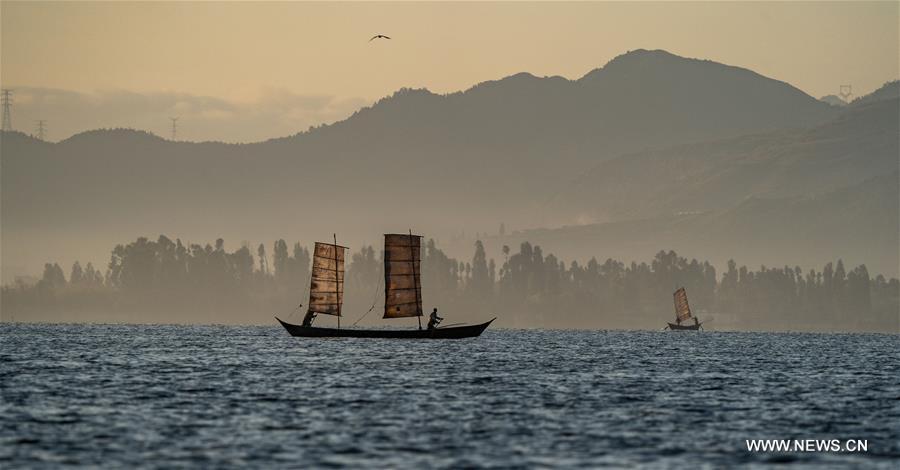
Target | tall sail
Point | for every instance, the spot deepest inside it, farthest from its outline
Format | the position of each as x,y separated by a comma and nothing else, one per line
326,290
682,309
402,283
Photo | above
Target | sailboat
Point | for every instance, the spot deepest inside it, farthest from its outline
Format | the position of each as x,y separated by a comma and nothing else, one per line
402,293
683,312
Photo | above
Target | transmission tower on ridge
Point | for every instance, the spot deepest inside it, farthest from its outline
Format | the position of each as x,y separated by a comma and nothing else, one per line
846,92
174,127
7,102
41,128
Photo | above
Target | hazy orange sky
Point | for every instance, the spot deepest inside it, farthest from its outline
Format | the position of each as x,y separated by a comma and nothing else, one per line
219,64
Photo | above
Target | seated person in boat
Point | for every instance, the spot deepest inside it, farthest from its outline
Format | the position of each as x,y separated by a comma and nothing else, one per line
308,319
434,320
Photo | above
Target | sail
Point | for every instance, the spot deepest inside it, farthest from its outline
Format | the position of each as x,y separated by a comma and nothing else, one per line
402,284
682,309
326,290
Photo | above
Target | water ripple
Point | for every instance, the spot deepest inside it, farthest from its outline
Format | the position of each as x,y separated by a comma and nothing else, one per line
163,396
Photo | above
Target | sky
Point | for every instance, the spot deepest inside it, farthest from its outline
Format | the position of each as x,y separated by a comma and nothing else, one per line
249,71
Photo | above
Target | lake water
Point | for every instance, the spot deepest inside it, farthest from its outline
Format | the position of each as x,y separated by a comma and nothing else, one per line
220,396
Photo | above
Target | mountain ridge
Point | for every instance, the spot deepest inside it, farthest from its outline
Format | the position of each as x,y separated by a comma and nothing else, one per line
856,222
494,152
860,143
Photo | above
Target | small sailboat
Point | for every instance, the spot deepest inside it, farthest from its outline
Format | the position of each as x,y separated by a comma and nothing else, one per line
402,293
683,313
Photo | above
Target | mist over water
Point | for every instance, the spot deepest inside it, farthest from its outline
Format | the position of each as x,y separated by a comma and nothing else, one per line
649,151
163,396
167,282
174,179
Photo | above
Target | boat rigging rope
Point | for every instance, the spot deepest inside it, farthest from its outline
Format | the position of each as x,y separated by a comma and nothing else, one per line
295,310
305,296
374,300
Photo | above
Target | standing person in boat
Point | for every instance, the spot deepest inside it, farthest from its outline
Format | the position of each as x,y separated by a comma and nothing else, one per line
308,319
434,319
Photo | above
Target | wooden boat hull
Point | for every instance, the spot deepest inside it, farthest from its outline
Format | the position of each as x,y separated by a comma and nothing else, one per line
677,327
456,332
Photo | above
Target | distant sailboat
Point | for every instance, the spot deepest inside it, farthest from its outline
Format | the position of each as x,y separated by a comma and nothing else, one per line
683,312
402,293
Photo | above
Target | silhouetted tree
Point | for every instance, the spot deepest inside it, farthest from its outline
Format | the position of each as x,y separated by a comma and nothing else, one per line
77,276
531,287
53,276
279,260
263,263
480,284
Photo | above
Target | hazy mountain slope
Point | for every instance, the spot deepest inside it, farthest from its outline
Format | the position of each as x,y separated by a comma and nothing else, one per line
887,91
513,141
857,223
860,144
436,162
833,100
692,99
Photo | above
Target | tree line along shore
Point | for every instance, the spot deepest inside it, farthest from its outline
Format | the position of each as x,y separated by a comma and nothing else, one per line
166,281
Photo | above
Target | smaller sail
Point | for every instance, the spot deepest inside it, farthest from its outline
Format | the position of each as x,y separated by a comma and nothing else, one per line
326,289
682,309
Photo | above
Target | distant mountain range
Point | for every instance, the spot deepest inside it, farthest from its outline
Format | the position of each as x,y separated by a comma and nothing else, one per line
647,135
859,144
858,223
833,100
888,91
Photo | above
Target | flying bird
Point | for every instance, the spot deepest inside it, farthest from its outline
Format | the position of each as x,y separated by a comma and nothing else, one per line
378,36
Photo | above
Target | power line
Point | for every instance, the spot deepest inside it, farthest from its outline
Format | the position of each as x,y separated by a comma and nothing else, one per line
7,102
174,127
41,128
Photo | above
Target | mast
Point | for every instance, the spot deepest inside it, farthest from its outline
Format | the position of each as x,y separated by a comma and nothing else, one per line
337,285
418,286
